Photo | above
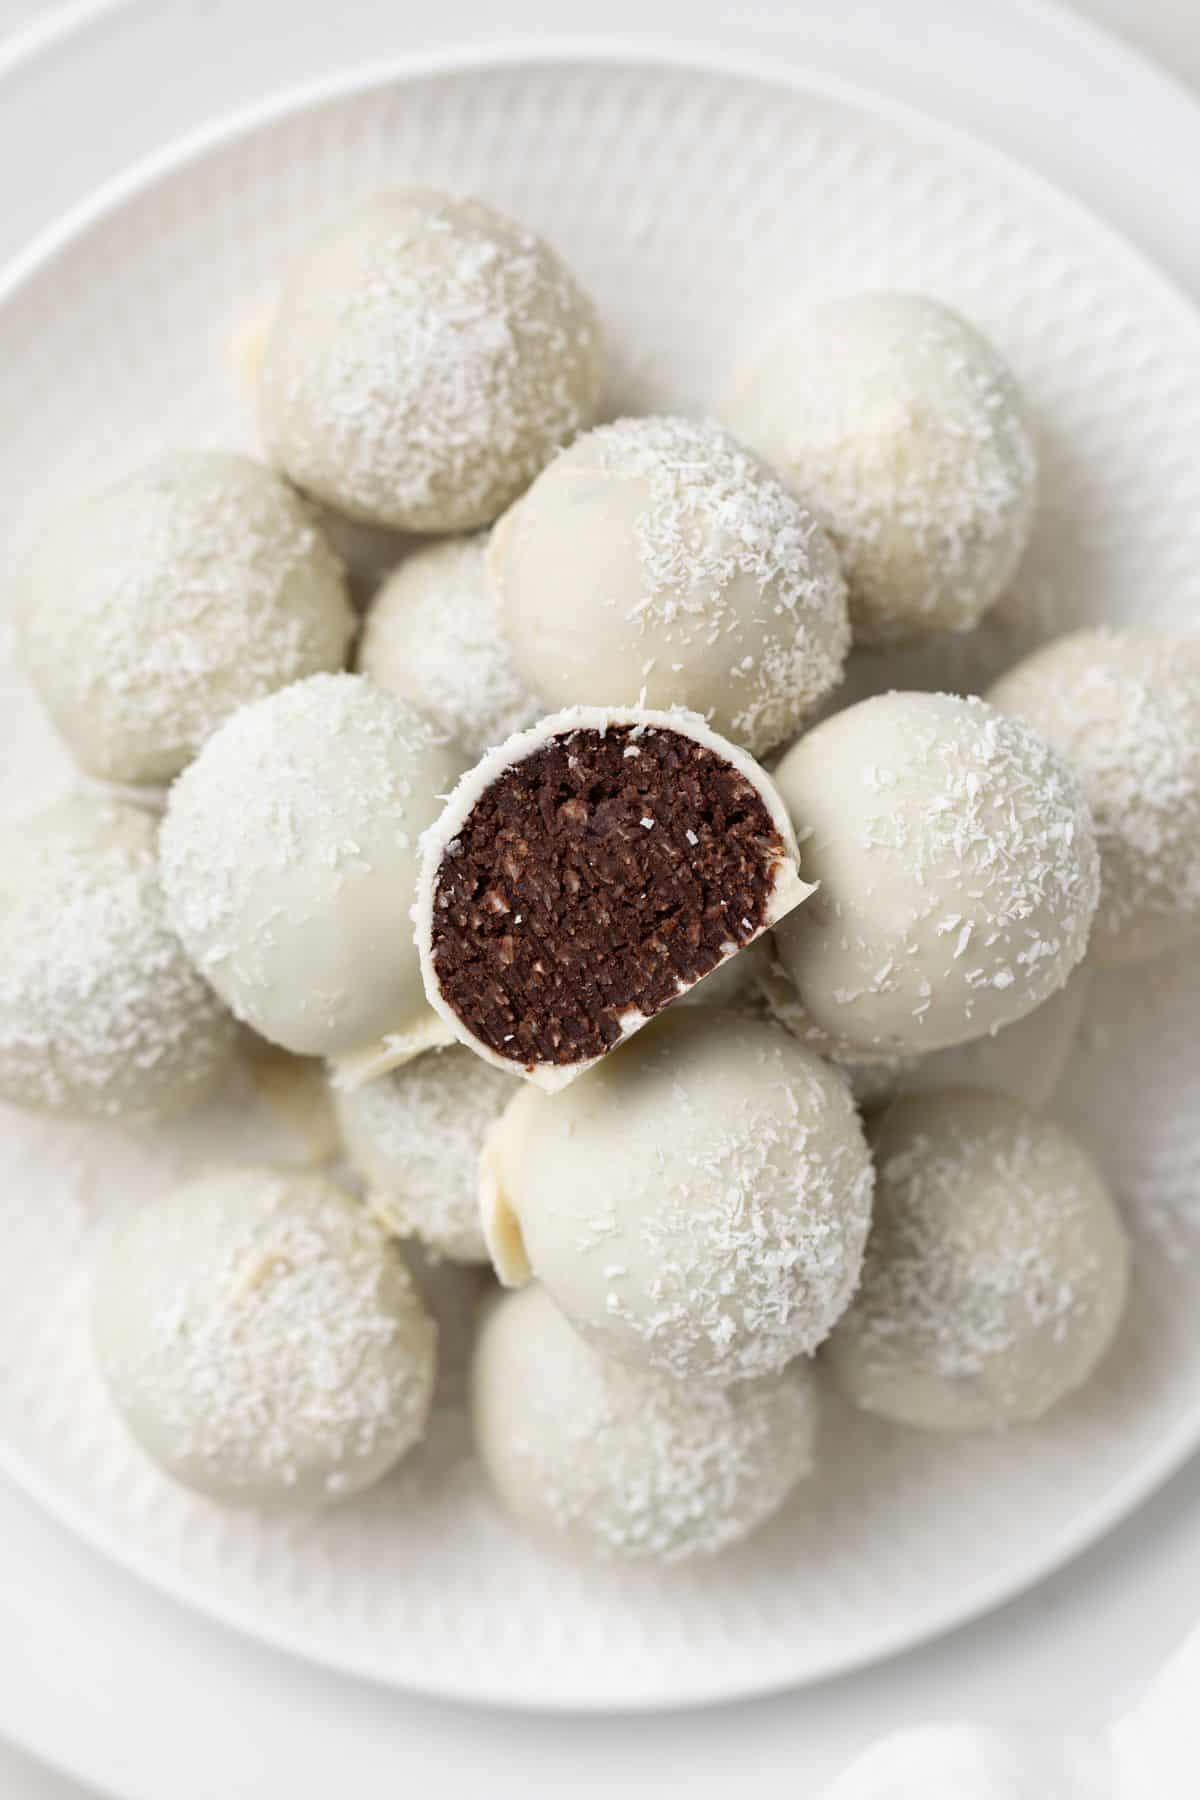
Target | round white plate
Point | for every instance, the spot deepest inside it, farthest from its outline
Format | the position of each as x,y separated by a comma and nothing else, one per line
691,198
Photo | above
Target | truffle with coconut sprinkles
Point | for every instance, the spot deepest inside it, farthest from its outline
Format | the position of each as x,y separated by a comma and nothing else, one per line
956,866
263,1339
698,1205
289,857
426,359
150,612
658,558
585,874
997,1270
626,1463
902,427
1123,710
101,1014
415,1135
433,635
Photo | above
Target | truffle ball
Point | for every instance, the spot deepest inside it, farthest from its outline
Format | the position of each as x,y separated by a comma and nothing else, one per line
153,610
902,427
957,872
657,561
289,857
1123,710
626,1463
1026,1059
996,1272
263,1339
101,1014
696,1204
433,635
415,1136
588,872
427,358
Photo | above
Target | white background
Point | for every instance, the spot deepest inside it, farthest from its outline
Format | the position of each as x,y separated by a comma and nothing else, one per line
93,1668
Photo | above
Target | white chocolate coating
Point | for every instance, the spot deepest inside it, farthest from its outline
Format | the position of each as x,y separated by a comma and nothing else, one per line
904,430
698,1204
433,635
996,1272
427,358
658,561
150,612
788,890
625,1463
101,1013
1025,1060
735,985
957,872
1123,710
263,1339
415,1136
289,857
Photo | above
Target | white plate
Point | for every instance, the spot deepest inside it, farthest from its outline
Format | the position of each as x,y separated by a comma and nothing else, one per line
688,197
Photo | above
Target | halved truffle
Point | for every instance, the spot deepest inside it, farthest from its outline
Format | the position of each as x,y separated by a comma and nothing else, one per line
589,871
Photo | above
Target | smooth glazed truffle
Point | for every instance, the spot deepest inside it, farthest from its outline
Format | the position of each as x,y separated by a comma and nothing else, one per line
427,358
588,872
289,857
433,635
1025,1060
263,1339
415,1136
658,561
957,872
901,426
996,1272
625,1463
1123,709
697,1204
152,611
101,1014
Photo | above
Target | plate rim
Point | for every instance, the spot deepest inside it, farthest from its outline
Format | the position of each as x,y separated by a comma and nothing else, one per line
1179,1445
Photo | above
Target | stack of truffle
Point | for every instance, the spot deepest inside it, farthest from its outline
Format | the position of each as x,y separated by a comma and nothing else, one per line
472,874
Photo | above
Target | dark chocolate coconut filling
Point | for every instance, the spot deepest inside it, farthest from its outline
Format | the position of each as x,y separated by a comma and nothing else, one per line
595,877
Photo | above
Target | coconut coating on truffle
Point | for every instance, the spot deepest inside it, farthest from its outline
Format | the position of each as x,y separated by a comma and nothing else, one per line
696,1204
626,1463
996,1272
101,1014
150,612
957,872
427,358
263,1339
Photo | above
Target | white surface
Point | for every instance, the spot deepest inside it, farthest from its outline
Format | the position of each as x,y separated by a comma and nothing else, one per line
1082,1638
118,343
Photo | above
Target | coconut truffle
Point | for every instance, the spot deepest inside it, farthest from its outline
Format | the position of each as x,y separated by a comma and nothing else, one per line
657,561
415,1136
152,611
101,1014
586,873
625,1463
698,1204
904,430
1025,1060
996,1272
289,857
263,1340
433,635
426,360
957,872
1123,709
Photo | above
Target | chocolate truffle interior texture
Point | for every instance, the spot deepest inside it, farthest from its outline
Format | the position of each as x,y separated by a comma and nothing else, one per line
593,877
